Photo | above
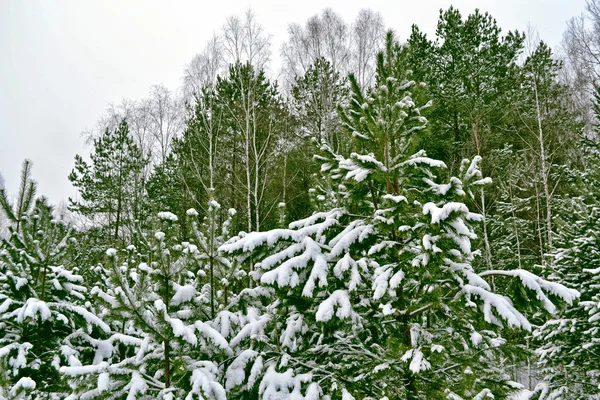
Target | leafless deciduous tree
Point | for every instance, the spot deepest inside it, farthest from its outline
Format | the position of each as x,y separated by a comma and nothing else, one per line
241,40
166,112
348,47
581,51
204,67
153,121
245,41
323,36
581,41
368,32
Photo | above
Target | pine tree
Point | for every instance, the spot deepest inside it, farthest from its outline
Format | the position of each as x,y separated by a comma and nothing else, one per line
25,199
161,344
200,158
111,190
42,296
168,189
469,67
377,295
209,236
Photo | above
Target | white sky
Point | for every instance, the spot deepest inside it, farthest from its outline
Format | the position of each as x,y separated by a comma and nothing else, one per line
63,61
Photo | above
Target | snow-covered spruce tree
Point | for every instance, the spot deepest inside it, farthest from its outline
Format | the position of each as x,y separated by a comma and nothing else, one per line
159,345
376,296
569,345
42,298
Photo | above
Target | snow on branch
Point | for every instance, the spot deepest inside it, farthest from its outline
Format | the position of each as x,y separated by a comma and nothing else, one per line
338,299
539,285
441,214
420,158
503,307
276,385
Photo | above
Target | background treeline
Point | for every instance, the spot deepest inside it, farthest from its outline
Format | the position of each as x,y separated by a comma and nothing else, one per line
93,298
247,138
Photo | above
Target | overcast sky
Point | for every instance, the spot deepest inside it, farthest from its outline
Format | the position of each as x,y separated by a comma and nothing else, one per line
63,61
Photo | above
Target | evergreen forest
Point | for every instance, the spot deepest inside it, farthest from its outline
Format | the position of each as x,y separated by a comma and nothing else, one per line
373,219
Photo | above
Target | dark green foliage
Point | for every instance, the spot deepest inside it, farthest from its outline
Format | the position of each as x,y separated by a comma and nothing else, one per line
235,148
469,69
111,187
168,191
376,295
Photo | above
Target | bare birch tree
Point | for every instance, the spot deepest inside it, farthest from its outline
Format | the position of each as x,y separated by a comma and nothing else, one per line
581,42
368,33
348,47
167,116
153,122
245,41
324,36
532,45
204,67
